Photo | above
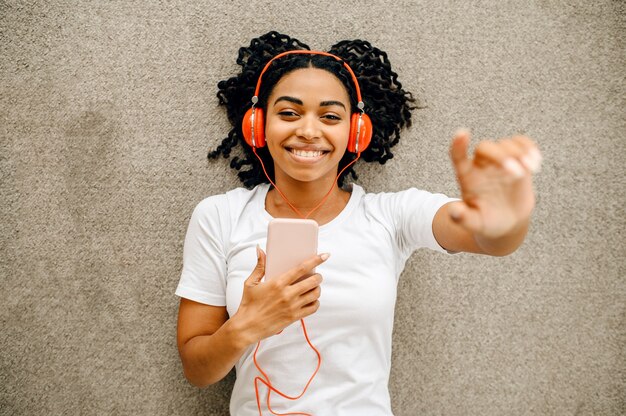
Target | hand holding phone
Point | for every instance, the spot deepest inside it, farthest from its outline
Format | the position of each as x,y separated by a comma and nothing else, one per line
291,247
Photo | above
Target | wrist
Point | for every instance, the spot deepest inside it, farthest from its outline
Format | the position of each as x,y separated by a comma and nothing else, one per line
239,332
505,244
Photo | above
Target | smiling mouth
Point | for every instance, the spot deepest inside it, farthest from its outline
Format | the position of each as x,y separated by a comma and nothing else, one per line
307,153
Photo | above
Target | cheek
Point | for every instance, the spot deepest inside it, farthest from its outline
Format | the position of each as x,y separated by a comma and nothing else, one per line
275,130
342,135
274,135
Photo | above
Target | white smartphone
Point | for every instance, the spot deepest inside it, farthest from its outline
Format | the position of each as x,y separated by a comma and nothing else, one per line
289,243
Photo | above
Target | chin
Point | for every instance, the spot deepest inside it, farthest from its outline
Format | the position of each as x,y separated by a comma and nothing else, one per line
309,177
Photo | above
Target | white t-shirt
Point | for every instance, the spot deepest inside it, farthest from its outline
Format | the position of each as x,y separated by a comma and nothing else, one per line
369,243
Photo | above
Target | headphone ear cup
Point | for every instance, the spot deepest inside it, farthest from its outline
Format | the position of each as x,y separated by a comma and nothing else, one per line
254,117
364,133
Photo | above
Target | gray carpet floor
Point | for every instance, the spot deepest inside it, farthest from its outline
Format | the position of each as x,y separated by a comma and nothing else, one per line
107,111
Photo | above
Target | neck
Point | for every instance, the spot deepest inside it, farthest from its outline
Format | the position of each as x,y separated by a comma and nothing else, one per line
305,197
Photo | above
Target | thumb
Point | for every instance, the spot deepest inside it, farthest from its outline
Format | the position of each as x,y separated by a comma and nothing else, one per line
458,152
259,270
464,216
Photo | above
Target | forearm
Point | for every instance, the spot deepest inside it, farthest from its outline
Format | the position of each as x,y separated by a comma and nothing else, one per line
207,359
455,238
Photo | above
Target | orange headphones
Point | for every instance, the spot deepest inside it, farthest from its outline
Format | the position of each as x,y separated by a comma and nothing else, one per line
253,125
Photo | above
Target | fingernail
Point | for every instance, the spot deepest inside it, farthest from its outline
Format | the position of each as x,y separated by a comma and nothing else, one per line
462,132
514,167
324,256
536,156
531,162
258,251
528,162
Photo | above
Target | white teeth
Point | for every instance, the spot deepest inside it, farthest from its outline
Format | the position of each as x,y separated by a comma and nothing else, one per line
307,153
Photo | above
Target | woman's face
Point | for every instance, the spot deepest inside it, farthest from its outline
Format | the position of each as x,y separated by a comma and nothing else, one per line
307,125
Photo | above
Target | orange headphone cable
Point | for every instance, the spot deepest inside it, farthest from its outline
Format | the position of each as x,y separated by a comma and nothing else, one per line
269,385
296,210
267,381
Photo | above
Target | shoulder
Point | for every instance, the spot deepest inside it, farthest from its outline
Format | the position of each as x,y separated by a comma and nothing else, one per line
231,200
400,199
403,207
222,210
408,214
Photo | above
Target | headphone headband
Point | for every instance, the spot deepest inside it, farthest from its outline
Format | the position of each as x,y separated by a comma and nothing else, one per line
307,52
253,123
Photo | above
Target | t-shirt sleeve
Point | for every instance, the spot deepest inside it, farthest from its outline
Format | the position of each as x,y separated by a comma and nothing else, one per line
203,277
413,214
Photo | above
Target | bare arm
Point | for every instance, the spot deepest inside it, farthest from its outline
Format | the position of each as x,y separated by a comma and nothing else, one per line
455,238
497,196
209,343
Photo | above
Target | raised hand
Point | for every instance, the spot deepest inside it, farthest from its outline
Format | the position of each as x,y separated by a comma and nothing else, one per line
495,184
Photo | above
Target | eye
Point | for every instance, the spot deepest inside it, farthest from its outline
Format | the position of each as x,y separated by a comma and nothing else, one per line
331,117
288,114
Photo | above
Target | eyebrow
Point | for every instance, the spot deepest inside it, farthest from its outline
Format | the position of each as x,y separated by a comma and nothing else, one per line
299,102
332,102
290,99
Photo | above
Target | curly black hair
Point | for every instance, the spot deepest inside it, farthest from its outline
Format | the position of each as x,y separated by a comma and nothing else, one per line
386,102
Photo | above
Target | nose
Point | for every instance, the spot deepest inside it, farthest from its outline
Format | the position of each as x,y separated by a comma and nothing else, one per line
309,128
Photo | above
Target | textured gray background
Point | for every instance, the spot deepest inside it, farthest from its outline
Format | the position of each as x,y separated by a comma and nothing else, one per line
107,110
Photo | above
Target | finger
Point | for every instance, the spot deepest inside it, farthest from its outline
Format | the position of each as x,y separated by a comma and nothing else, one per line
458,151
511,148
520,148
531,156
304,269
467,218
307,284
499,154
516,149
310,296
309,309
259,270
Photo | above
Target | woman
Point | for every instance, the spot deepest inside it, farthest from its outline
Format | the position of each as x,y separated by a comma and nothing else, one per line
310,114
